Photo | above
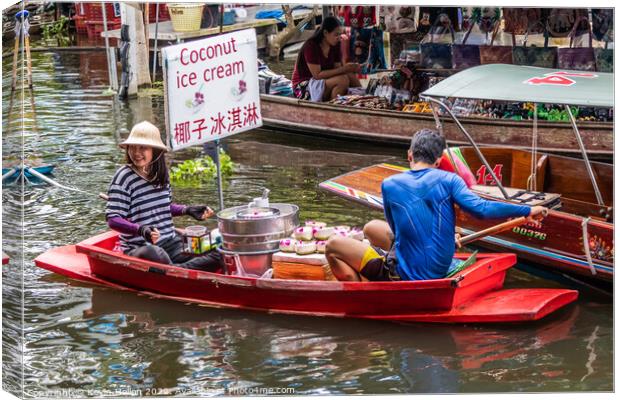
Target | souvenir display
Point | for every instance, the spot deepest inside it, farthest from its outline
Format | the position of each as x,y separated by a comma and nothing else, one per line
544,57
398,19
357,16
577,58
464,55
437,55
603,24
561,21
517,20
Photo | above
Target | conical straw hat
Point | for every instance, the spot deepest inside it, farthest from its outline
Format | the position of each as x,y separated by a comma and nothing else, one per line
145,134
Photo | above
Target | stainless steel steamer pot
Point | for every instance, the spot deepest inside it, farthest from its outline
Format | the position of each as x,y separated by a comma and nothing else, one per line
245,234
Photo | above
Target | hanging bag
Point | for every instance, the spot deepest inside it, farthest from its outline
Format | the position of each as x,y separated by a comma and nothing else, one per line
561,21
437,55
577,58
517,20
604,59
490,54
465,55
545,57
602,24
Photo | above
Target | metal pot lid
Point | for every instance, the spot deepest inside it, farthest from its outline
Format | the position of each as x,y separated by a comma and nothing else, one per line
257,212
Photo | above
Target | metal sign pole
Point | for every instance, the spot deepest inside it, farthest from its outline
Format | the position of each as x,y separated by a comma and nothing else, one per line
584,154
216,158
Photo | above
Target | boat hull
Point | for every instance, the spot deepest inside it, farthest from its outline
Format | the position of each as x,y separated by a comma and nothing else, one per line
475,295
556,244
396,127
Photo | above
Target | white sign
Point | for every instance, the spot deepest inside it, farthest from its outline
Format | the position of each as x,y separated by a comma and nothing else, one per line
211,88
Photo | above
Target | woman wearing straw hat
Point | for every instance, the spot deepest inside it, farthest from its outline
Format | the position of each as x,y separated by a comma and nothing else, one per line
140,204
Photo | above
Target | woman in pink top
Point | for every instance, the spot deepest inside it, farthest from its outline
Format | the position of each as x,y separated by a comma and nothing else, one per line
319,65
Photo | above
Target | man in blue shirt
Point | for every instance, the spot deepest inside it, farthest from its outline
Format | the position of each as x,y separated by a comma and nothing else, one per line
420,215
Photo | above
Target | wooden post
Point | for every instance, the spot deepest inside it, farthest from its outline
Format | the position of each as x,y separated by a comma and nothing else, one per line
138,55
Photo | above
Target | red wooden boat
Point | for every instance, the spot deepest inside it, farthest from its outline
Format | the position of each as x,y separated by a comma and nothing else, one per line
504,82
557,244
473,295
5,258
577,236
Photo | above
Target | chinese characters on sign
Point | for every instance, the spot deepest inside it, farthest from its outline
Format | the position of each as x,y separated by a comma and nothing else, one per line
211,88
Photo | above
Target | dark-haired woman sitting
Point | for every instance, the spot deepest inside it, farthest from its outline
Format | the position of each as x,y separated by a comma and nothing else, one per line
140,205
319,74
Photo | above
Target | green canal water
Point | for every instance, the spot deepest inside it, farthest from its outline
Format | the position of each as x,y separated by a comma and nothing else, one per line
86,340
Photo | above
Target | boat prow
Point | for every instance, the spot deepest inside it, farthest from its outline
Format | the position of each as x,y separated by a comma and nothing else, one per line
473,296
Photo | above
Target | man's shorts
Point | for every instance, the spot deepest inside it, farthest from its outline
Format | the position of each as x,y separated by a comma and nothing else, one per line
375,267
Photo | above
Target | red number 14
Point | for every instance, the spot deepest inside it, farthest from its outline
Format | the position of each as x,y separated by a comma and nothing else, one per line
487,179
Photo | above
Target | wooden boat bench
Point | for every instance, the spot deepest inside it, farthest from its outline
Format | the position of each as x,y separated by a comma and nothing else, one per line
525,197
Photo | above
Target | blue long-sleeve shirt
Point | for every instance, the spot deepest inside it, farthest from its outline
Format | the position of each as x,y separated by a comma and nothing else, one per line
419,207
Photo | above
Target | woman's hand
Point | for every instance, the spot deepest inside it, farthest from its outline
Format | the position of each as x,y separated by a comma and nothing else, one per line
352,68
199,213
149,233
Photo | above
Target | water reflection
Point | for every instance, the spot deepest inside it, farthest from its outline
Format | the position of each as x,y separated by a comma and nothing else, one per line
209,351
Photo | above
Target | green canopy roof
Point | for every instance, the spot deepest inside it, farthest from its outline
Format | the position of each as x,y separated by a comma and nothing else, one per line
532,84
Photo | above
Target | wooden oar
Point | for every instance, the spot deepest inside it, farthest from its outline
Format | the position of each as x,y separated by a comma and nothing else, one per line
504,226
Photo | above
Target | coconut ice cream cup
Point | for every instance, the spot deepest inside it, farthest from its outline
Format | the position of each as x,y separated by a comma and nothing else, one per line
316,224
304,233
324,233
287,245
303,247
357,234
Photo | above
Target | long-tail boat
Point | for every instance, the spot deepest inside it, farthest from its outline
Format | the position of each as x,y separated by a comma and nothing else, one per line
473,295
576,238
396,127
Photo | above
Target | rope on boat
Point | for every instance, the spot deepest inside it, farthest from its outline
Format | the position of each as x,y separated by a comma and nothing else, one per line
53,182
532,178
586,244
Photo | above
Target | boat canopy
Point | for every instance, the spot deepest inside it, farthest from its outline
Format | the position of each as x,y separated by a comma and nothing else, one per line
518,83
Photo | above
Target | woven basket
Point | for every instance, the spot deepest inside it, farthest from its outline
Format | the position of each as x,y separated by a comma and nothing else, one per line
185,17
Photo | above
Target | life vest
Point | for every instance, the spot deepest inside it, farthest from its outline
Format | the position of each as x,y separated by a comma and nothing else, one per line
457,164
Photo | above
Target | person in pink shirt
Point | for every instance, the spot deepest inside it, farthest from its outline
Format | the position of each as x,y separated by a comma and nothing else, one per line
319,73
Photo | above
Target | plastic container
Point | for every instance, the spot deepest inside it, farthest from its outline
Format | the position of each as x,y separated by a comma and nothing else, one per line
94,11
229,17
185,17
195,240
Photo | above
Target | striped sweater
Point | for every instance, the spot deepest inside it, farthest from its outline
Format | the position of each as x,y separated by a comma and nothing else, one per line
134,199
